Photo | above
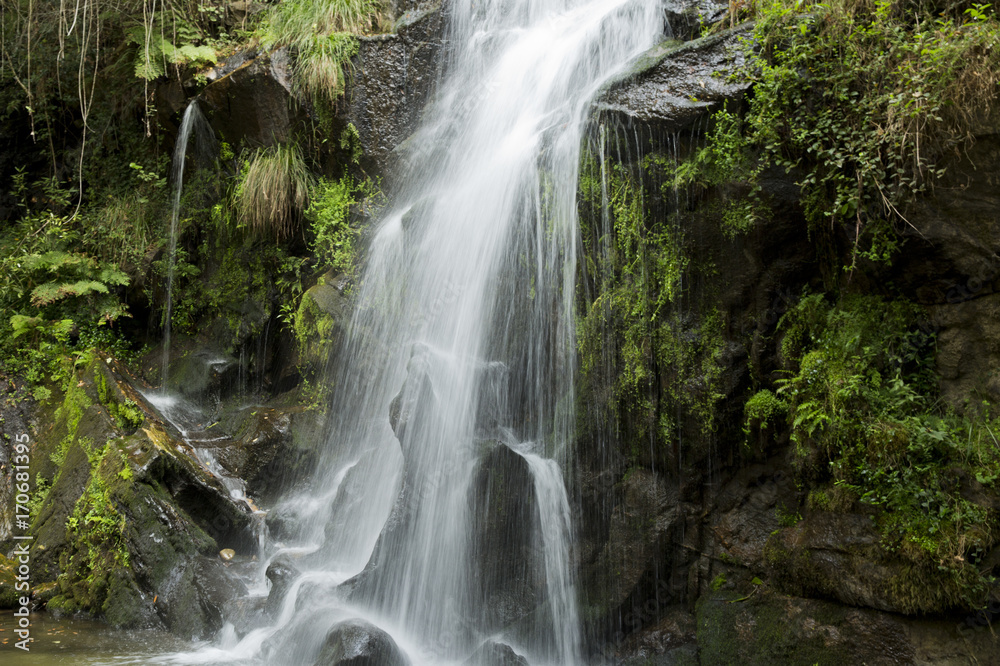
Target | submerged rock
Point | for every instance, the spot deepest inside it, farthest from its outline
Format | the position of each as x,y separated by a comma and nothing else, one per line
508,567
492,653
359,643
416,399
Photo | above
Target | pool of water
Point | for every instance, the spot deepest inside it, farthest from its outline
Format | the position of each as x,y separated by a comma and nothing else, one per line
74,641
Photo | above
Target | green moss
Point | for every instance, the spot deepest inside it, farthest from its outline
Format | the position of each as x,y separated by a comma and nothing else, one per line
762,411
96,531
862,411
757,631
647,364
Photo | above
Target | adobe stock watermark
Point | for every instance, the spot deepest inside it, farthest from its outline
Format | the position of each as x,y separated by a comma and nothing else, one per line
22,557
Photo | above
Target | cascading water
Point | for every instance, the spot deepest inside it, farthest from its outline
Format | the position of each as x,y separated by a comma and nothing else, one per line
454,399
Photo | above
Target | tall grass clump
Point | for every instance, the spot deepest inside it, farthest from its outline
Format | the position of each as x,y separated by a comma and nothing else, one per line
323,35
272,191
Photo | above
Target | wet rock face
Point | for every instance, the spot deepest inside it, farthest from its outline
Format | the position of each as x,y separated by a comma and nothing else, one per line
358,643
635,555
394,76
669,641
507,566
150,558
416,400
673,86
951,263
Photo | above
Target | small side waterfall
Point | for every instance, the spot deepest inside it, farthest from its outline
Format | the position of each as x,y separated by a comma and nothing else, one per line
193,122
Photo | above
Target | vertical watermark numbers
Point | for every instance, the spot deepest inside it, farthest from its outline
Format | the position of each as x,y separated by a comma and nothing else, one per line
22,557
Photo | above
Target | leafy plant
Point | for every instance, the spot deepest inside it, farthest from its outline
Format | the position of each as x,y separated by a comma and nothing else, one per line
857,99
861,409
328,217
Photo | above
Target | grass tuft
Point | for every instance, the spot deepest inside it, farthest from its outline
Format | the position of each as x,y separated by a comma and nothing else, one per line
272,191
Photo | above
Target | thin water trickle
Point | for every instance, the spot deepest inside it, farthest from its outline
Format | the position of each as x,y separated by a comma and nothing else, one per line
192,122
461,350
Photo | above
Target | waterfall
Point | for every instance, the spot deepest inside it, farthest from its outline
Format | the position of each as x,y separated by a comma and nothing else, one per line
453,407
192,122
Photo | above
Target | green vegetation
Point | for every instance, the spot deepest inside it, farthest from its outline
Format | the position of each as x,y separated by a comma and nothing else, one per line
323,35
857,100
271,191
862,412
646,362
762,411
334,239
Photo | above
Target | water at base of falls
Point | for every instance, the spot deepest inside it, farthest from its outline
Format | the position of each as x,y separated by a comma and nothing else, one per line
439,514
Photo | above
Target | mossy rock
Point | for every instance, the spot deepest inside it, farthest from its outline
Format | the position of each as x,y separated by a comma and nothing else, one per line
763,628
320,319
840,556
9,595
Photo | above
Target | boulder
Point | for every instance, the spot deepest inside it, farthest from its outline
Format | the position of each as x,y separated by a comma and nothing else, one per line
282,572
359,643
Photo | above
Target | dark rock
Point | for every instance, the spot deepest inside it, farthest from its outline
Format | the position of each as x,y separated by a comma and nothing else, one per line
746,512
837,556
672,86
968,349
205,376
416,398
253,104
492,653
669,641
358,643
508,568
684,19
282,572
632,559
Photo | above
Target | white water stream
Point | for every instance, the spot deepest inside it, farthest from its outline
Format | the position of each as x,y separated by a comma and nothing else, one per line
465,311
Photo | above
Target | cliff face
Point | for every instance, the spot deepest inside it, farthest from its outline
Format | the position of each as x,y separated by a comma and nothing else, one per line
713,522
